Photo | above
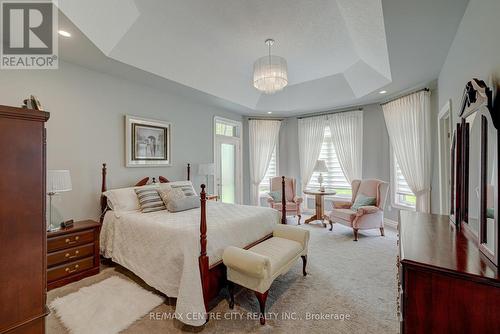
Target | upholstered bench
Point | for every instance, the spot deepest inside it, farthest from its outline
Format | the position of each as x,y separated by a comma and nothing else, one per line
257,267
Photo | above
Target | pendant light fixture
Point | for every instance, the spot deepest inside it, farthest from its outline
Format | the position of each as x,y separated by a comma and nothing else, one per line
270,73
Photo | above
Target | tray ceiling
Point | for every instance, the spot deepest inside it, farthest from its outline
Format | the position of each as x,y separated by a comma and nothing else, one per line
336,49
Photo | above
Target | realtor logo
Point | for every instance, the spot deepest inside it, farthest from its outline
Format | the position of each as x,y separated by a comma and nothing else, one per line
29,35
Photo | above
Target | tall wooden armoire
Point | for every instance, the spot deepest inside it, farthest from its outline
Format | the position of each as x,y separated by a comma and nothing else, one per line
22,221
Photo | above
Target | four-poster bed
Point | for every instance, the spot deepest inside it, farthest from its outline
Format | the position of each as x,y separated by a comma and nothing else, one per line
218,218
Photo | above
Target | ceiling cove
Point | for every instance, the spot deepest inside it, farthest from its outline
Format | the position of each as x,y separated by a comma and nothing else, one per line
336,50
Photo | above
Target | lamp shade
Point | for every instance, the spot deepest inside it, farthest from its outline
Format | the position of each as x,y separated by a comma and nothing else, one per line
206,169
58,181
320,166
270,74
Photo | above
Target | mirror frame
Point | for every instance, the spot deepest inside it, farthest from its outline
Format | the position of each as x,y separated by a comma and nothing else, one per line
492,255
455,167
476,95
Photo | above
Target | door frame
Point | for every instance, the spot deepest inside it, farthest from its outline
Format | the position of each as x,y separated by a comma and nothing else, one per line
444,138
238,139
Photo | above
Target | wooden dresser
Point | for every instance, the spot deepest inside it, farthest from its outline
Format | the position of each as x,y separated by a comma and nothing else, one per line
22,221
72,253
446,284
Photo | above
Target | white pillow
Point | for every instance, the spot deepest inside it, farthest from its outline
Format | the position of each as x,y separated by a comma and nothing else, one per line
123,199
171,195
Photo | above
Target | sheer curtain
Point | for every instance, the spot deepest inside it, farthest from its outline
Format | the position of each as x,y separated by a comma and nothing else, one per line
408,124
263,136
347,138
311,133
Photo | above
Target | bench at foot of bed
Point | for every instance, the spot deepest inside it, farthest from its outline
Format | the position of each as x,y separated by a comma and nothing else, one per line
256,268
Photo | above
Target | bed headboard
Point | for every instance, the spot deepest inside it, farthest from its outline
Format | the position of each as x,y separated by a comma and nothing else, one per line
142,182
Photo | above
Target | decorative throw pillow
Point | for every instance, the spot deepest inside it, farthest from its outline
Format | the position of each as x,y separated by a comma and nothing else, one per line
276,196
183,204
171,195
362,200
122,199
185,186
149,200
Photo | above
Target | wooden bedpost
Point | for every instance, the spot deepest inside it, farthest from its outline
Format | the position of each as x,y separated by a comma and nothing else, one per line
283,201
203,259
103,189
189,172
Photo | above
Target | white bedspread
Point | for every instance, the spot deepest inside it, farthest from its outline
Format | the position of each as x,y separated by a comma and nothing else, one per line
163,248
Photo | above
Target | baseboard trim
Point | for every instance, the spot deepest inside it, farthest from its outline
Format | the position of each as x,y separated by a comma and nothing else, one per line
391,223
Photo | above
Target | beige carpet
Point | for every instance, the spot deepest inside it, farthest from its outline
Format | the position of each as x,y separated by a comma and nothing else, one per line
346,278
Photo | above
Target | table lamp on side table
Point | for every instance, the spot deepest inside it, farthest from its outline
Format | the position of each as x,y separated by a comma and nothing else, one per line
207,170
321,168
58,181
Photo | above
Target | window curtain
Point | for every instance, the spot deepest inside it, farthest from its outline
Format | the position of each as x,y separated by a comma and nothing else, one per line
347,137
311,133
263,136
408,123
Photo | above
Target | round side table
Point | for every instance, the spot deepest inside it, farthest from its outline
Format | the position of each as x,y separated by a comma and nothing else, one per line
318,196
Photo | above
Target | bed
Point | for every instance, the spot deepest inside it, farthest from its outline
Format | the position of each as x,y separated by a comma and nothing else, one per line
179,254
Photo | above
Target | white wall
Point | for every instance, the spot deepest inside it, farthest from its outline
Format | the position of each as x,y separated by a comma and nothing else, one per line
376,151
86,128
435,205
474,53
289,149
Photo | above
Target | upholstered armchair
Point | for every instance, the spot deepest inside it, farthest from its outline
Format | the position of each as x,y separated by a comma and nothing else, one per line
366,216
293,203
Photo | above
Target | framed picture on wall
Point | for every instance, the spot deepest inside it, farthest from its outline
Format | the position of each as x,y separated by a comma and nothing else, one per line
147,142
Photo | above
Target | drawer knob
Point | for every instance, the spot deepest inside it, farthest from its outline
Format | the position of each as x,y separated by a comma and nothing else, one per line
69,242
68,270
69,256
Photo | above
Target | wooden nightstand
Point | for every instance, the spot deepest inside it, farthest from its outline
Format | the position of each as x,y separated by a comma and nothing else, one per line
72,253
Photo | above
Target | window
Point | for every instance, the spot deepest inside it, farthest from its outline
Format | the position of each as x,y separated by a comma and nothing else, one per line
403,196
226,128
272,171
335,178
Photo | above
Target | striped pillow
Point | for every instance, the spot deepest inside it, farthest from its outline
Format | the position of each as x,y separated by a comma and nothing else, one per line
185,186
149,200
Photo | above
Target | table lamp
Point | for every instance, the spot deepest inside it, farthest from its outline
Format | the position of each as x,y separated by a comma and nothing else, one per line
320,167
206,169
58,181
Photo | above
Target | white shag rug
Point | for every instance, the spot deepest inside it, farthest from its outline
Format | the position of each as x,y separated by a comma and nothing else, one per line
107,307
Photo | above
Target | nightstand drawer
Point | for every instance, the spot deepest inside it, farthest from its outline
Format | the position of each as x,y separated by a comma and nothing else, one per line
68,269
70,254
70,240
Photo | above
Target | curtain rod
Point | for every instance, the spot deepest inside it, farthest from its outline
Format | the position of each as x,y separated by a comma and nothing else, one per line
329,113
265,119
404,95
